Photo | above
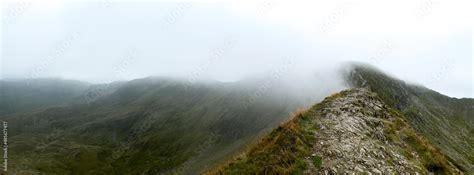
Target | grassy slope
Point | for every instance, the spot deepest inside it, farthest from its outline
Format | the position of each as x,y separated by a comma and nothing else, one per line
146,126
283,150
280,152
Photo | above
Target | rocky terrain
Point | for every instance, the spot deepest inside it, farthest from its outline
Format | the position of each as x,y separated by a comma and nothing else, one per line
447,122
352,138
349,132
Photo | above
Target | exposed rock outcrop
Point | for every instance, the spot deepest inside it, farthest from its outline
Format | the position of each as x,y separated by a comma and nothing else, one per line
353,131
350,137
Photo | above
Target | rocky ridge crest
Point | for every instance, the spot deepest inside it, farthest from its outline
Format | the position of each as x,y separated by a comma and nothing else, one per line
353,131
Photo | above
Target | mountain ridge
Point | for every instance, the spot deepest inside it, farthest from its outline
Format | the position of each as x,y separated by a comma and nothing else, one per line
405,130
447,122
170,126
327,138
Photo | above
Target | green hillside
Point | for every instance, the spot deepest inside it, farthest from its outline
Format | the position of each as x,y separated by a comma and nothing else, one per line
151,125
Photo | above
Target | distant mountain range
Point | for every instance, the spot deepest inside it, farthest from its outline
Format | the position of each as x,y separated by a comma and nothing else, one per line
161,125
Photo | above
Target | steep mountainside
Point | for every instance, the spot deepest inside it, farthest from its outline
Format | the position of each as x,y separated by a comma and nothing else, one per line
152,125
350,132
447,122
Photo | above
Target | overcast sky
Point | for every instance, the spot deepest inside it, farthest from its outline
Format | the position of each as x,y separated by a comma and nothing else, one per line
428,42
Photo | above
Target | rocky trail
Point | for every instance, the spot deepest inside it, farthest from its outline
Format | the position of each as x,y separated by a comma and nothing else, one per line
351,132
351,138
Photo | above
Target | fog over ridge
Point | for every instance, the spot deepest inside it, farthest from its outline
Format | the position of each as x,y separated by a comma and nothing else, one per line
233,41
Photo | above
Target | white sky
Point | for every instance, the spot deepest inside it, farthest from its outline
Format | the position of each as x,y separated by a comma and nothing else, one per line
424,41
